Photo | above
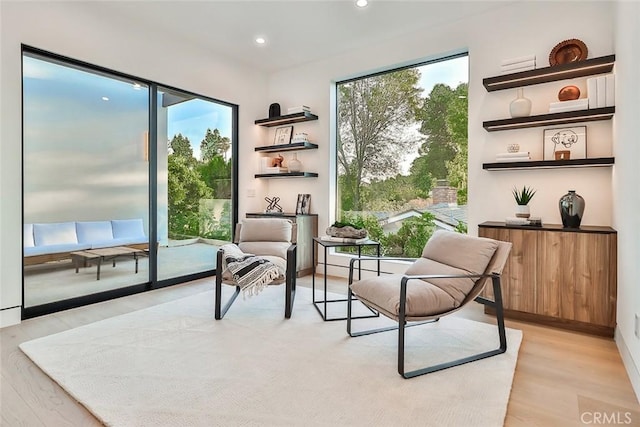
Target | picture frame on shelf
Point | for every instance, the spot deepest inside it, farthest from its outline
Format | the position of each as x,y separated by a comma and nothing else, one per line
565,143
303,204
283,135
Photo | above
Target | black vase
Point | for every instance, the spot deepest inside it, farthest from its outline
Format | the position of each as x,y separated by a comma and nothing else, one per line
571,209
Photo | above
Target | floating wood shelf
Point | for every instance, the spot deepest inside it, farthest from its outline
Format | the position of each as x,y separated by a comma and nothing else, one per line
551,164
591,115
287,175
286,147
571,70
287,119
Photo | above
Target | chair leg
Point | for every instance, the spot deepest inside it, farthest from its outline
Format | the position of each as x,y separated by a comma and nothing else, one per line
290,282
497,304
219,310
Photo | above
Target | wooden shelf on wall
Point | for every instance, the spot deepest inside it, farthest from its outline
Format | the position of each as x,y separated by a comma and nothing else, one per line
305,116
551,164
286,147
287,175
571,70
579,116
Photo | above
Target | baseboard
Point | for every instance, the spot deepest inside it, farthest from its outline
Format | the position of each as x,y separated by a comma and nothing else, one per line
10,316
629,363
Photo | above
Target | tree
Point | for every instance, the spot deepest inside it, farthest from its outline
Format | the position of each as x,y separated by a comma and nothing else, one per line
185,189
216,174
213,145
374,115
180,146
444,152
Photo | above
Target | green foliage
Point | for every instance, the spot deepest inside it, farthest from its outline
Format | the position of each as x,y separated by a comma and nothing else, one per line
524,196
216,174
218,228
180,146
461,227
214,145
444,117
185,189
413,234
373,116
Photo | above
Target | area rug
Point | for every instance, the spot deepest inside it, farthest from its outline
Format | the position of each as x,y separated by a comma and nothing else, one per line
174,365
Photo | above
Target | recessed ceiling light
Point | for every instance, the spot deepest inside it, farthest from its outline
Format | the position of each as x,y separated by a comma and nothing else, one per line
260,40
104,98
362,3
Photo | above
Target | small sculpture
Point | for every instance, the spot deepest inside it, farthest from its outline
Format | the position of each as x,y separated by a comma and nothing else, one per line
277,161
273,205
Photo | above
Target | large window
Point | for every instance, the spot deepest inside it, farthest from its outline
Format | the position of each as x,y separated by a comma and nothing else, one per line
119,197
402,153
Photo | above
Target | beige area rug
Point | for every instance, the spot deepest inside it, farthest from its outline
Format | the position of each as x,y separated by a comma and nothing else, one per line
174,365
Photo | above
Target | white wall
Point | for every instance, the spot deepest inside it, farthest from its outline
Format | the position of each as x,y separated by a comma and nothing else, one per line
74,29
611,194
625,182
510,35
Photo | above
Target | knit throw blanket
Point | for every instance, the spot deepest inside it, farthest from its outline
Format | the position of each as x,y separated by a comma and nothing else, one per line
250,272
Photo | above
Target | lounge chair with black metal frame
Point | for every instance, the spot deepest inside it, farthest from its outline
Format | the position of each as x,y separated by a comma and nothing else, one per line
452,271
273,239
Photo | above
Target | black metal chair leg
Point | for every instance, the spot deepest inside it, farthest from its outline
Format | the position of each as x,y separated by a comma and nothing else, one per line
290,282
219,310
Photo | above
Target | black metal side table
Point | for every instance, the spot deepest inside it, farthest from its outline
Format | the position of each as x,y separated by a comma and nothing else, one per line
321,305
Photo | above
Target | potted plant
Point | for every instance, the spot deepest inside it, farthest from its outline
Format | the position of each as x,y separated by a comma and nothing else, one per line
523,197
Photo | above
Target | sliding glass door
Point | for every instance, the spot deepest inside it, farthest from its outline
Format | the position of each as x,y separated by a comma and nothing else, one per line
86,181
194,182
127,187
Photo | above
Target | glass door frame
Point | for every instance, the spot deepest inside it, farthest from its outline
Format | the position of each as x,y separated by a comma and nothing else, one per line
153,282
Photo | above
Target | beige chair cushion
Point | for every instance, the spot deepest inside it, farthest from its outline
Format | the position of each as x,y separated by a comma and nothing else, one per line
456,288
447,253
265,230
383,293
276,249
460,250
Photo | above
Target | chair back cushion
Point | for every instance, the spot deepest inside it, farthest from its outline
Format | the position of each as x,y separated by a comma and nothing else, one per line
462,251
453,253
265,236
265,230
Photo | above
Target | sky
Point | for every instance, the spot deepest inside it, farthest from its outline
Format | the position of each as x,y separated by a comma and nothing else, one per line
193,118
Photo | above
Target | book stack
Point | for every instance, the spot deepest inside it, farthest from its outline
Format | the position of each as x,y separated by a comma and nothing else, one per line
601,91
343,239
572,105
535,222
298,109
516,65
519,156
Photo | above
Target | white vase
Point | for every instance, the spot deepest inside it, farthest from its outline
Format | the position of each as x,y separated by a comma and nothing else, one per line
522,211
295,165
521,106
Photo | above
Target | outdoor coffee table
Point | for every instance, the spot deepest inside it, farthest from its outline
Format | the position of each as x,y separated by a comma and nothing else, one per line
98,256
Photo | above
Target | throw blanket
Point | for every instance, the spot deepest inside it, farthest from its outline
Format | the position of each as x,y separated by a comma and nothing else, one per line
250,272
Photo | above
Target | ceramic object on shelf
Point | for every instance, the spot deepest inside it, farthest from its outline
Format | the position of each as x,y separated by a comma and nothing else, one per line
513,148
521,106
571,209
294,164
569,93
522,211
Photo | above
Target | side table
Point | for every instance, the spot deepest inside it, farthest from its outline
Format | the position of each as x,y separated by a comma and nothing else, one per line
321,305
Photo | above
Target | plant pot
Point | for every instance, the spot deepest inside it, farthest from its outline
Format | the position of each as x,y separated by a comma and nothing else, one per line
522,211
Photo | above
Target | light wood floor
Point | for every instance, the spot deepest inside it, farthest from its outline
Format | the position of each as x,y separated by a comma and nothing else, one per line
560,377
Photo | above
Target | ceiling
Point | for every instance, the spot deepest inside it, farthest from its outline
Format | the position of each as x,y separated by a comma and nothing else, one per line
297,32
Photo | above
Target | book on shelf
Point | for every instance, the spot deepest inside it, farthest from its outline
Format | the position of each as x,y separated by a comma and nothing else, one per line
343,239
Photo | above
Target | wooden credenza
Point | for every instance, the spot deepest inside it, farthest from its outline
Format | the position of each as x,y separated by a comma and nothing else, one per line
558,276
307,226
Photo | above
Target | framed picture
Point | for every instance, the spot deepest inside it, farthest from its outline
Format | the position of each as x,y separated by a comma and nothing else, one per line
283,135
302,206
565,143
